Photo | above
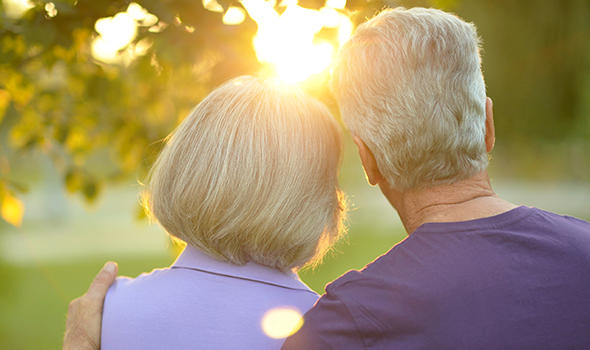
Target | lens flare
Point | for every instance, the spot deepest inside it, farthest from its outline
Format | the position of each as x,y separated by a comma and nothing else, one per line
117,33
281,322
289,42
16,8
234,16
212,5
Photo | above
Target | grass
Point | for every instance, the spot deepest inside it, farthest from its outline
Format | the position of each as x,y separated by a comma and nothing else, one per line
34,295
34,298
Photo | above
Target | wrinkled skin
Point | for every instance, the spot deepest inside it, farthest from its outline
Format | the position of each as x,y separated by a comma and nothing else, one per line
83,323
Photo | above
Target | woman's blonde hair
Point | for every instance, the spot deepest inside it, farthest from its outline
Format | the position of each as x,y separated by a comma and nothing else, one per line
251,175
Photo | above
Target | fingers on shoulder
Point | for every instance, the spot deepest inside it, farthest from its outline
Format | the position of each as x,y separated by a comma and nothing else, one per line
103,280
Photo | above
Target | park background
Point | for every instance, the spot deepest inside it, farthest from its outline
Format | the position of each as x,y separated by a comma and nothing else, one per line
81,123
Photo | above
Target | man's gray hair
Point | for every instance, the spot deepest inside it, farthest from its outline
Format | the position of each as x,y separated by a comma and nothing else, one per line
409,84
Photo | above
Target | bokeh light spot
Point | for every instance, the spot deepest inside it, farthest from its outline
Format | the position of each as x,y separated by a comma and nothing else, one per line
141,15
281,322
234,16
16,8
12,210
50,9
213,6
117,33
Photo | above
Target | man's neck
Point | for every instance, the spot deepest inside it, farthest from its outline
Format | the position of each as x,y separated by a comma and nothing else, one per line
469,199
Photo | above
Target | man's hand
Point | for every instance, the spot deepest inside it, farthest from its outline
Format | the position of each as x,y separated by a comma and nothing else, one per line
85,313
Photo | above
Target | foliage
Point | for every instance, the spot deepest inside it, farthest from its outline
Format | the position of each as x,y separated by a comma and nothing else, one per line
100,123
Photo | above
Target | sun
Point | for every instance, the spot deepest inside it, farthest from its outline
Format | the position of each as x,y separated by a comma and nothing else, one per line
288,41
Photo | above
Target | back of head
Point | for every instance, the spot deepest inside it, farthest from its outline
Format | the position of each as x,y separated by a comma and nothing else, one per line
409,84
251,175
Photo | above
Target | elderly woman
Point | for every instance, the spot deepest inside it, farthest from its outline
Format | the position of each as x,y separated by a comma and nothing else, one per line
249,181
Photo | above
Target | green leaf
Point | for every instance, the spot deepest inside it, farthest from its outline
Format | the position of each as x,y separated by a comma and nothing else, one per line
90,190
12,209
74,180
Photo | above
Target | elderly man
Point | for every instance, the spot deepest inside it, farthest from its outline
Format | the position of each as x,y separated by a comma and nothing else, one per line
475,272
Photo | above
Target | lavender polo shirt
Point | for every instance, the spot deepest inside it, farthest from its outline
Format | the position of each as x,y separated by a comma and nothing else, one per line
199,303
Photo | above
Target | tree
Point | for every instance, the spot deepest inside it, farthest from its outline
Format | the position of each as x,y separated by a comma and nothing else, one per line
103,122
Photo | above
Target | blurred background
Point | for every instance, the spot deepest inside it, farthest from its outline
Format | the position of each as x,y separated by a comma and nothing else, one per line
88,90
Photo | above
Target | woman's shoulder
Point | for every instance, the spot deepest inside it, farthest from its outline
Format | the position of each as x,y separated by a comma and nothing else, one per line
131,307
179,306
128,295
145,283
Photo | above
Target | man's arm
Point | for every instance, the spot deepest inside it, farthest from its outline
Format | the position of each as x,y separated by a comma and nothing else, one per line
85,313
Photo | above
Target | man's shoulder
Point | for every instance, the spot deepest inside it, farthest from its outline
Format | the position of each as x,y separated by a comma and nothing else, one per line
376,273
566,232
330,323
351,310
371,276
562,218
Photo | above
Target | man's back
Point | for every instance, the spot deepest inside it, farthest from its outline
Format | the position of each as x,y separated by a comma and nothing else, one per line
518,280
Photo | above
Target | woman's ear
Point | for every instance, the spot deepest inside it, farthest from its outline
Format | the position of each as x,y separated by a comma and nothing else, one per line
372,172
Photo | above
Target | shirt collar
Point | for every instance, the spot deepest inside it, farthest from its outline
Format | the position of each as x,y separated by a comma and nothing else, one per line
194,258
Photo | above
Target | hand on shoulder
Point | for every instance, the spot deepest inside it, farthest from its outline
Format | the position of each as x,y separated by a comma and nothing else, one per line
83,322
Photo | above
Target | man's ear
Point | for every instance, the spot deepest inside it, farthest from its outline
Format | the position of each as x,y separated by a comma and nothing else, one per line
490,131
372,172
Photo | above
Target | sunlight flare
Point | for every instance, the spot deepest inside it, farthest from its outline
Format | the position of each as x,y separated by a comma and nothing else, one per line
213,6
234,16
281,322
289,41
16,8
116,33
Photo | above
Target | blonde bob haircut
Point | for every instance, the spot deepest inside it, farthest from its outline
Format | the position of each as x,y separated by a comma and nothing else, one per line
409,84
251,175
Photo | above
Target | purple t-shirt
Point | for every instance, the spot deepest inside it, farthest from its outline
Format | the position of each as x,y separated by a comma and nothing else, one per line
200,303
518,280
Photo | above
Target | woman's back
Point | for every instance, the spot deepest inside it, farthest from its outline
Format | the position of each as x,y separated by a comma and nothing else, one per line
199,303
249,177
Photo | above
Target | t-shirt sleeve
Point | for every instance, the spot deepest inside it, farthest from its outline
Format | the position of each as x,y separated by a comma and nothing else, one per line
328,325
